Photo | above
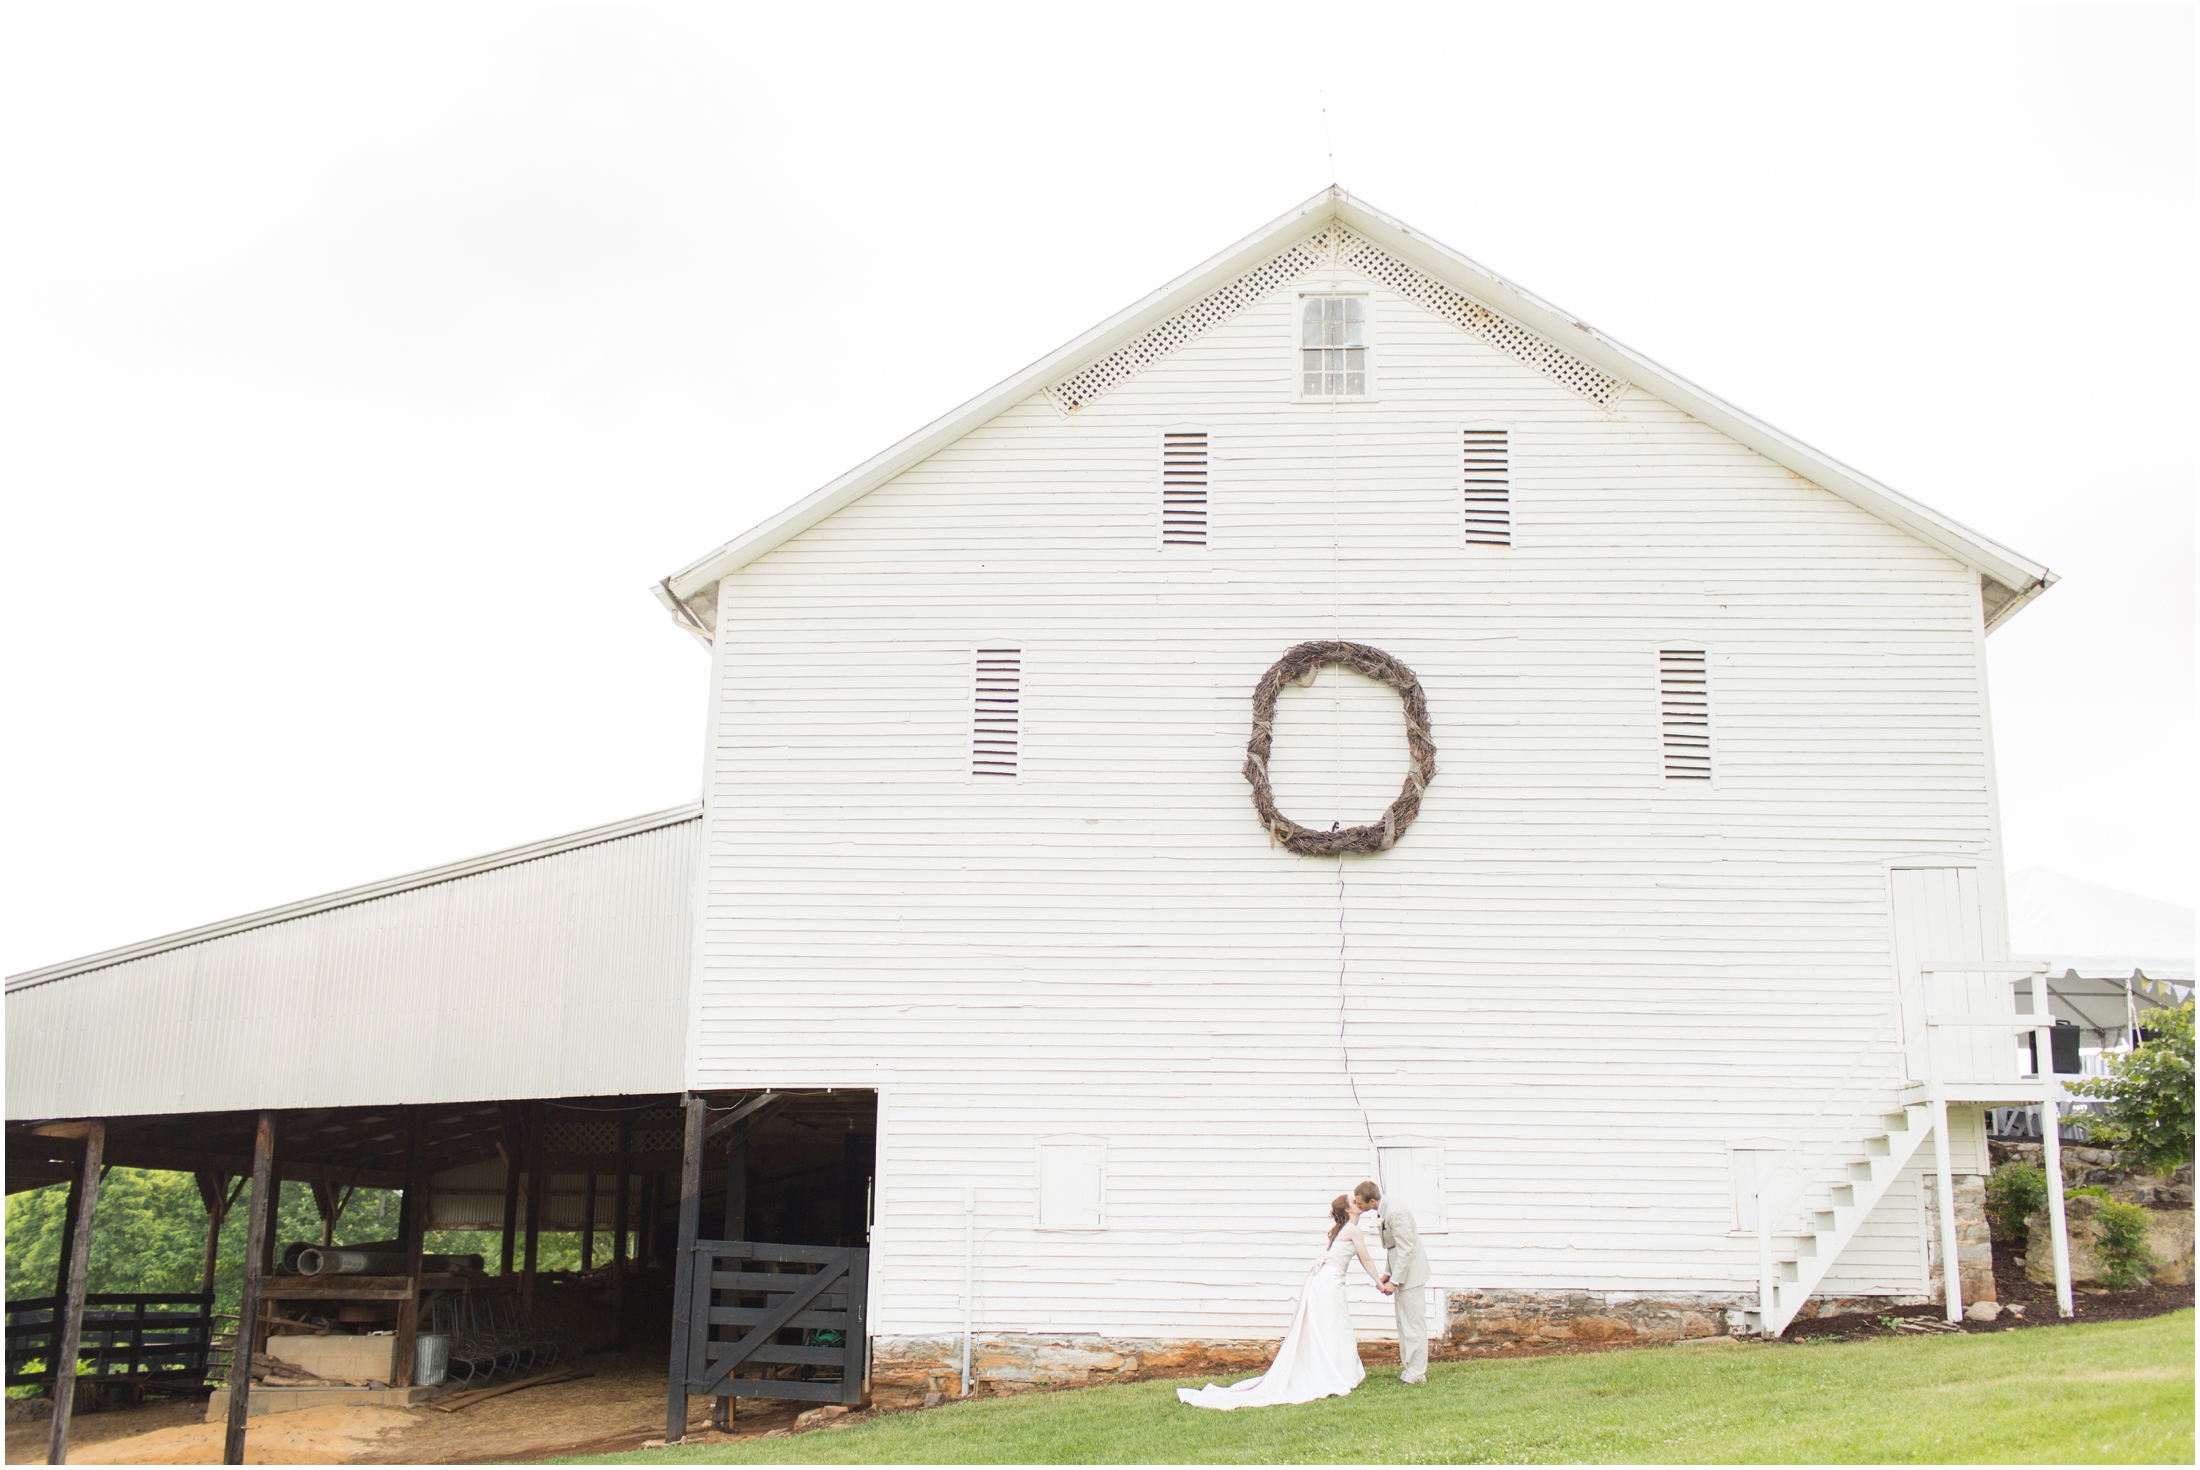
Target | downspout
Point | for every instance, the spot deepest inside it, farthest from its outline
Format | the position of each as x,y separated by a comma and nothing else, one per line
682,613
970,1274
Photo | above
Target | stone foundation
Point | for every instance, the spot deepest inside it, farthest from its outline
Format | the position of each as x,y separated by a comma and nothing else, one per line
1974,1239
2169,1235
906,1369
1503,1318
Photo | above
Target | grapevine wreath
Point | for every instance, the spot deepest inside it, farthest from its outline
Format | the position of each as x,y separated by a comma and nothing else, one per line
1301,664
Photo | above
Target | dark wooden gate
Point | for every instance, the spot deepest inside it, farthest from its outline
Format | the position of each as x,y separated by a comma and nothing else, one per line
159,1337
775,1322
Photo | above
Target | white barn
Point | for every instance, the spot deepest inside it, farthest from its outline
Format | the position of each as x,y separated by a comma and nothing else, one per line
1664,972
1715,778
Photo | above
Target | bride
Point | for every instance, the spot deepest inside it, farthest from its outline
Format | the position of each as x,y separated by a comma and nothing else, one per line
1320,1357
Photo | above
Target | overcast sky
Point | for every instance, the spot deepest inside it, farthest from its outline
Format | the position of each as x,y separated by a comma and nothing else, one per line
365,365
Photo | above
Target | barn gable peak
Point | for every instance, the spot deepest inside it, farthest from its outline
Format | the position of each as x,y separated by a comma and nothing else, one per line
1334,227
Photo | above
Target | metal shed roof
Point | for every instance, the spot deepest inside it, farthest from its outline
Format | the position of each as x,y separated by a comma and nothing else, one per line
554,969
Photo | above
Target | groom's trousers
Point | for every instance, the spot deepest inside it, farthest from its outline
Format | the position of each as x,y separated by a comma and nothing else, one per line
1412,1306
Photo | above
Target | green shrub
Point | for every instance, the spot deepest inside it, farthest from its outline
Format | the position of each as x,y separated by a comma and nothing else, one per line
2097,1191
2149,1096
2123,1247
2014,1192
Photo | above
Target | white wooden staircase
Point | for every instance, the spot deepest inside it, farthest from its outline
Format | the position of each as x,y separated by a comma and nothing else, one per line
1834,1209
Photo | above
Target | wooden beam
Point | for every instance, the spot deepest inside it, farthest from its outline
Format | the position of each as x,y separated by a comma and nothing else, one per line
683,1276
416,1234
747,1110
534,1205
213,1192
623,1216
734,1224
69,1320
248,1304
511,1210
588,1224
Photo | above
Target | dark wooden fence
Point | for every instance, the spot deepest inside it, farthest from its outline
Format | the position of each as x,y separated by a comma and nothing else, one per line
162,1337
776,1322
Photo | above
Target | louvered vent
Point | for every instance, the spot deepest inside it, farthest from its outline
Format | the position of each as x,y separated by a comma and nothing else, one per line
1488,477
1684,699
1184,489
998,709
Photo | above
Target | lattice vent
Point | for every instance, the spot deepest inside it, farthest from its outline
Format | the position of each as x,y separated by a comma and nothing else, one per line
1684,699
567,1135
1184,488
1331,245
1507,336
1203,315
658,1131
1487,472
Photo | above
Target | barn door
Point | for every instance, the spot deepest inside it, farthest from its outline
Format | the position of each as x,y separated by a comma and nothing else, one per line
1940,919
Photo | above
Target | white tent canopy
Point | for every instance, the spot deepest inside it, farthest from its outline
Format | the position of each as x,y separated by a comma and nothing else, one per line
2100,944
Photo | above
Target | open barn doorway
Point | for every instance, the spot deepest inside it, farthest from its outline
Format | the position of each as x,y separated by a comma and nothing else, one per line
771,1299
796,1171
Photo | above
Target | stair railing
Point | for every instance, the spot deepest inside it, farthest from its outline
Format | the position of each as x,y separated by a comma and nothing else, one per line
1784,1187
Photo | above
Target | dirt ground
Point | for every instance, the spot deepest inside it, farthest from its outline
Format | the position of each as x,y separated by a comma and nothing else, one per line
616,1409
2011,1289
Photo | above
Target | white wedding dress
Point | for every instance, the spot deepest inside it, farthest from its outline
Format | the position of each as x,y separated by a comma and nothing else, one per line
1320,1357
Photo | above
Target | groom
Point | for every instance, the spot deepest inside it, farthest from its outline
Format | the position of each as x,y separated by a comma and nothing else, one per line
1407,1269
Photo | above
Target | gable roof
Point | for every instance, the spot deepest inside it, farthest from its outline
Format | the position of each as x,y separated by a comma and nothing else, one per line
2017,578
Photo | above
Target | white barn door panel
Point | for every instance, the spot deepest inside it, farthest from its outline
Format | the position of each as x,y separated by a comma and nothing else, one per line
1940,919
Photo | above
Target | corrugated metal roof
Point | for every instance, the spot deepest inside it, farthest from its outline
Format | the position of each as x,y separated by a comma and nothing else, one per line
343,898
556,969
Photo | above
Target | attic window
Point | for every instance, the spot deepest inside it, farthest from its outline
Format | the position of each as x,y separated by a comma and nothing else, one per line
1684,701
1333,347
1488,478
1184,488
997,705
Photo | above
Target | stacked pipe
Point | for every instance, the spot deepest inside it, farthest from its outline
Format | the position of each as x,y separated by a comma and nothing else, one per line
354,1261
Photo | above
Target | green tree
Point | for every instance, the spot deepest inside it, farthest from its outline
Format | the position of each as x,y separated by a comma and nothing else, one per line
2149,1096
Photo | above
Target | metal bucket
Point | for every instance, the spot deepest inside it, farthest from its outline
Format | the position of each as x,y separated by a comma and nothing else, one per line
431,1359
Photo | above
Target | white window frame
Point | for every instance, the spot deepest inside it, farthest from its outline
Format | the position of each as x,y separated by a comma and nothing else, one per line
1161,482
1431,1222
1711,712
1038,1181
1374,349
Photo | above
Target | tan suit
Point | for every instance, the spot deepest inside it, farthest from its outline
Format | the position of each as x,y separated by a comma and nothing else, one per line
1407,1262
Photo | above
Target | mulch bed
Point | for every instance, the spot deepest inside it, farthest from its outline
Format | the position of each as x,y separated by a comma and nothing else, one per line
2010,1289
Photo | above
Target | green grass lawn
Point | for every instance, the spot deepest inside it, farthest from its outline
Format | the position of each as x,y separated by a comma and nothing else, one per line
2115,1391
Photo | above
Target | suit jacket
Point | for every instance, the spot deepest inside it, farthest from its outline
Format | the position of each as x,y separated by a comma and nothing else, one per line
1407,1259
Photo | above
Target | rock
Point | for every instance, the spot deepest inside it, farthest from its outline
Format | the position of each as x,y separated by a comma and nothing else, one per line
1709,1342
1982,1311
934,1400
2015,1309
2169,1233
816,1417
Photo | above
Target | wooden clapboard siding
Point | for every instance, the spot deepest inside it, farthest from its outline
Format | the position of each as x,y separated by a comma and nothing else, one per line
1586,982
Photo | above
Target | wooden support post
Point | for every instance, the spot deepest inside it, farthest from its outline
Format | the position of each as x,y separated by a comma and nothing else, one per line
735,1225
210,1193
534,1205
2058,1228
326,1205
622,1218
652,1206
68,1317
261,1222
511,1201
415,1236
588,1224
683,1275
857,1154
69,1211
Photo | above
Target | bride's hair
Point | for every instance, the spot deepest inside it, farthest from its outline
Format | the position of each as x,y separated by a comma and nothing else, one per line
1340,1210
